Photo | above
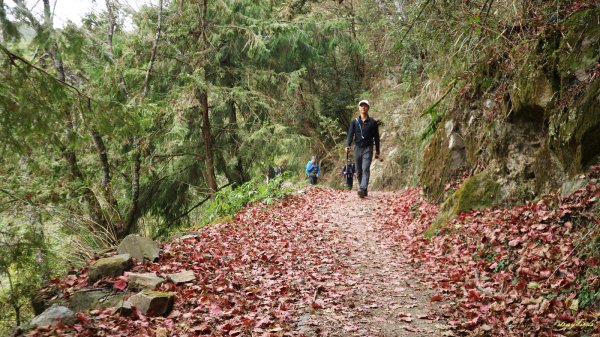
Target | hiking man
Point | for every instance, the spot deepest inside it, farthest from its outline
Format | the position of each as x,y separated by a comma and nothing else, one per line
365,132
313,171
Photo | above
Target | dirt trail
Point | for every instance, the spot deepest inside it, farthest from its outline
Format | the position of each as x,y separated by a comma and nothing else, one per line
383,294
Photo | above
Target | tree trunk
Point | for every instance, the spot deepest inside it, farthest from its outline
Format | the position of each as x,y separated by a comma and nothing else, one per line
53,50
13,299
235,140
154,49
211,179
105,181
112,23
135,195
3,33
202,97
95,210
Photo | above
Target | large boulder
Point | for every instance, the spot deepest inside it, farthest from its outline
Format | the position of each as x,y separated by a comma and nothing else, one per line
52,315
109,266
144,281
155,303
139,247
94,298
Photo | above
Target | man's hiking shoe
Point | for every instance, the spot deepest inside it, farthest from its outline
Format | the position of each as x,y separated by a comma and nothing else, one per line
366,193
361,193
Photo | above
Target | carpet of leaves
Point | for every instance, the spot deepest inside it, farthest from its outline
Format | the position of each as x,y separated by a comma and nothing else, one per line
526,270
255,276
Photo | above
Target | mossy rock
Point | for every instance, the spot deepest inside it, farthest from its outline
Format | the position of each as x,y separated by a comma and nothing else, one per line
530,96
94,298
580,48
477,192
575,134
435,171
441,162
109,266
151,302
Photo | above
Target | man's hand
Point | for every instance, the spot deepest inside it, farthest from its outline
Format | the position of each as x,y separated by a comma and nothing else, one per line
347,149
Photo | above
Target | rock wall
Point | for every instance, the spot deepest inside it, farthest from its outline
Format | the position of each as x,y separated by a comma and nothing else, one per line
538,127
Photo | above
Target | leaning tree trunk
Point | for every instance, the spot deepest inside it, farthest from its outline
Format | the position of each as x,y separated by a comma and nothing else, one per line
202,96
211,178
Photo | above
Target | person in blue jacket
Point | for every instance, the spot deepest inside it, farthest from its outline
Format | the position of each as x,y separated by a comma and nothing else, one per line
313,171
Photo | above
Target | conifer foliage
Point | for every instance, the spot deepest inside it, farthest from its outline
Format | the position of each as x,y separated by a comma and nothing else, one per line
122,124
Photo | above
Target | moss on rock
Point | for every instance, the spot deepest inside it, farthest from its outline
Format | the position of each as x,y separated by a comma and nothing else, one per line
575,133
436,172
477,192
581,44
530,95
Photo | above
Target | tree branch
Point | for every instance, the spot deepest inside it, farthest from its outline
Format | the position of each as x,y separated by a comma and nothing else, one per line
198,204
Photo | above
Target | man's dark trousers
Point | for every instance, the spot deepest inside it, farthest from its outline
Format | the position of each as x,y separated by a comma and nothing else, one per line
363,155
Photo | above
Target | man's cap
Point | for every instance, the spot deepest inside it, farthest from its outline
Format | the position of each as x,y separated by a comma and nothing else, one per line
364,101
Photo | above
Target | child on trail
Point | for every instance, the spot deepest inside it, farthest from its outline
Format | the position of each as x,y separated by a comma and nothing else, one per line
348,172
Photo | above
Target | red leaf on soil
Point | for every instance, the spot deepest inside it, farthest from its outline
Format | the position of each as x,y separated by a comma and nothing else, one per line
81,318
70,281
215,311
226,327
318,304
202,328
437,298
121,283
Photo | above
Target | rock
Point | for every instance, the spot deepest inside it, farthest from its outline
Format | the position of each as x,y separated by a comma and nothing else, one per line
94,298
477,192
162,332
125,309
139,248
190,235
568,187
109,266
456,142
449,127
182,277
144,281
52,315
488,103
151,302
578,61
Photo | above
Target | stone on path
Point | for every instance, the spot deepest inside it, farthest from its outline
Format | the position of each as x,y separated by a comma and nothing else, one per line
124,309
54,314
95,298
182,277
151,302
139,248
109,266
144,280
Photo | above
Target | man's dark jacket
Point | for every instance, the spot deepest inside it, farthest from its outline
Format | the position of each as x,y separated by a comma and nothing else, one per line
364,133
